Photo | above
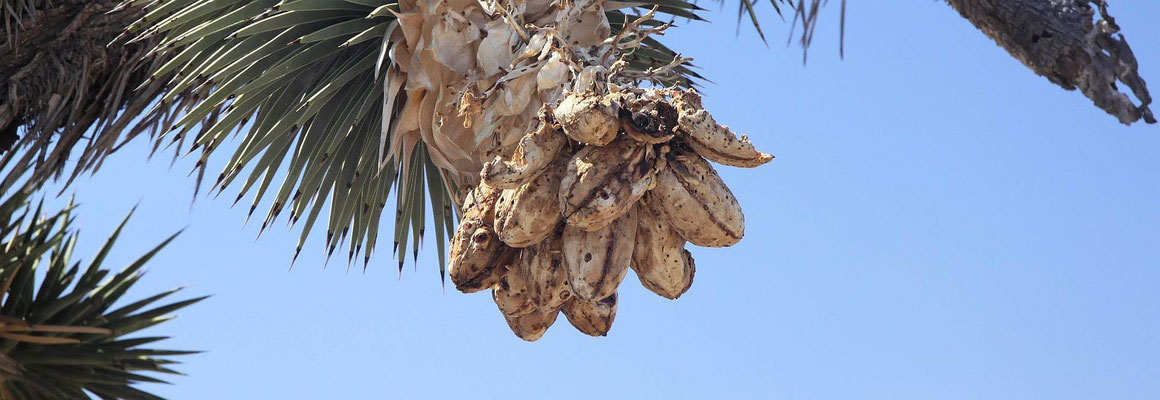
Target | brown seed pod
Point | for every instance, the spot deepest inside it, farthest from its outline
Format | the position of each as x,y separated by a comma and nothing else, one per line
659,258
603,183
711,140
533,154
511,294
477,256
587,118
594,318
597,261
531,326
697,203
547,280
651,121
527,215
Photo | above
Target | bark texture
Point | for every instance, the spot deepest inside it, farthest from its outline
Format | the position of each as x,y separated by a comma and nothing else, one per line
67,80
1060,40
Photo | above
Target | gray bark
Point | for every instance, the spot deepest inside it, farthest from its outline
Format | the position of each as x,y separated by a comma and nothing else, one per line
1059,40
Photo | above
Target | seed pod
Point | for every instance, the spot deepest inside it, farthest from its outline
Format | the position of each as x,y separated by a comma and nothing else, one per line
587,118
511,294
659,258
597,261
547,281
527,215
533,154
697,203
647,121
531,326
594,318
477,256
603,183
712,141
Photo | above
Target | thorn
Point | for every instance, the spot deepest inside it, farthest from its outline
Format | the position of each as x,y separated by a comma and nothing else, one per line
297,251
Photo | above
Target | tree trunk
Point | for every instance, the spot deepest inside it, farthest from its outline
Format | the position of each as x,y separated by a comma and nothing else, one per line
64,77
1058,40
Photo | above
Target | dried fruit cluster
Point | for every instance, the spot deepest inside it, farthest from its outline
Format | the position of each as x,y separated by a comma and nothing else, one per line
581,174
604,183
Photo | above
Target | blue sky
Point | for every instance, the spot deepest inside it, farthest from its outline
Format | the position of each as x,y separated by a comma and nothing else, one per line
938,223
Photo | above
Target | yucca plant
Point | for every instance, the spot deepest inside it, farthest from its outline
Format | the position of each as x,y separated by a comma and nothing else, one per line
312,84
64,331
462,107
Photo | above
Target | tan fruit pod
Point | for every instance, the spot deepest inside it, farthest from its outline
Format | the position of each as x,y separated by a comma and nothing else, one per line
531,326
597,261
603,183
659,258
528,214
477,256
587,118
697,203
651,121
593,318
547,280
511,294
712,140
533,154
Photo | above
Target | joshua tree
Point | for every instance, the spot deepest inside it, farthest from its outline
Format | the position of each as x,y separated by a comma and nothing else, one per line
537,132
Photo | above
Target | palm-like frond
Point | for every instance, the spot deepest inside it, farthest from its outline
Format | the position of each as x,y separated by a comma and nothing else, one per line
307,80
60,336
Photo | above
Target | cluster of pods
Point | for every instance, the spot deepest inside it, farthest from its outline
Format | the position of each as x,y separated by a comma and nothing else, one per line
604,183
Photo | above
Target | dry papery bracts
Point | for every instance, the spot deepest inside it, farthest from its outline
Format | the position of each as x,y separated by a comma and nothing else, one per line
603,183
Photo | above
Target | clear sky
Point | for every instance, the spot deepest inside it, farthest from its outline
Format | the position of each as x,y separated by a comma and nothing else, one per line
939,223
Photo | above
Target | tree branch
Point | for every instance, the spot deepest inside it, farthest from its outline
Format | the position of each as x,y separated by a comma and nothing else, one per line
1059,40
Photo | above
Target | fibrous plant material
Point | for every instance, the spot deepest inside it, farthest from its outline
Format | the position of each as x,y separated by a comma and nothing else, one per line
71,85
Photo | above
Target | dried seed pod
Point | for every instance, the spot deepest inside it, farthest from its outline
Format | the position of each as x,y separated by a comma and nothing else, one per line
477,256
647,121
659,258
527,215
533,154
547,280
587,118
531,326
603,183
597,261
711,140
594,318
511,294
697,203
